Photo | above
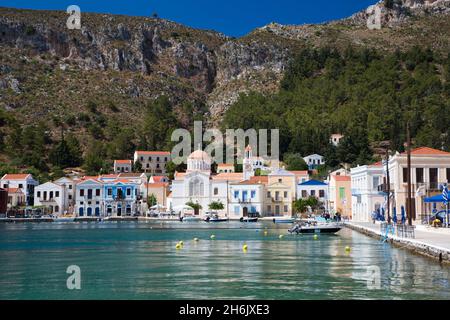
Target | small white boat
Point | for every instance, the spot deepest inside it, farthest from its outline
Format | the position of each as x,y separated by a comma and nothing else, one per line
190,219
215,218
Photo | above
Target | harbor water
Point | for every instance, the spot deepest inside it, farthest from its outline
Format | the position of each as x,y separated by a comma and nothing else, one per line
139,260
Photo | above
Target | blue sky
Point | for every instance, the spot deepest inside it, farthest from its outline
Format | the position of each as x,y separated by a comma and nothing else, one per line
232,17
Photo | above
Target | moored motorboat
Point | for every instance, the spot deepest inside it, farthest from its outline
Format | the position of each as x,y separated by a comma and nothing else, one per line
315,229
216,218
190,219
248,219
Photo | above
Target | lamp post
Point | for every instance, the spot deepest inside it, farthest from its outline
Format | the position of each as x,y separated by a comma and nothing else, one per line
385,145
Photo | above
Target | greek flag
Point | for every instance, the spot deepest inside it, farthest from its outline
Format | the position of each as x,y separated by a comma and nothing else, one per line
445,194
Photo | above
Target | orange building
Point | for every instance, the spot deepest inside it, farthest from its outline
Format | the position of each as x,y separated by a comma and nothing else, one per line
340,195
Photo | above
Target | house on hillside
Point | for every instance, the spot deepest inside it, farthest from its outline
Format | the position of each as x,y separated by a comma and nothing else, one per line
153,162
314,161
123,166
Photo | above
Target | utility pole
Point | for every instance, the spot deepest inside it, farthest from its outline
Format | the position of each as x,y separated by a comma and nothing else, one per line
409,202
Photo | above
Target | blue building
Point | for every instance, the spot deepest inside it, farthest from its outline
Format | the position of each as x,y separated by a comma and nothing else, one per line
120,198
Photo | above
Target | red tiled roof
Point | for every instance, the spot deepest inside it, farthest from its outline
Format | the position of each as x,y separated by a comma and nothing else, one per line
122,180
85,178
16,176
376,164
342,178
247,182
130,175
157,185
13,190
122,161
153,153
428,151
228,176
158,178
303,172
225,165
108,176
260,179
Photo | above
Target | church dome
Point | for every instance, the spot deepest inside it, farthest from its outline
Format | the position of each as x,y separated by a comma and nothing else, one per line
199,155
199,161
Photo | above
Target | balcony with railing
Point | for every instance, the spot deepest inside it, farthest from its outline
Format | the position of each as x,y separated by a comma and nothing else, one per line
245,200
425,187
383,188
277,199
47,200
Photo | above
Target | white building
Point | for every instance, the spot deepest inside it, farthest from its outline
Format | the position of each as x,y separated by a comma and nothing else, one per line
252,163
430,170
123,166
69,186
365,195
314,161
313,188
335,139
89,197
246,198
25,182
197,185
153,162
52,196
225,168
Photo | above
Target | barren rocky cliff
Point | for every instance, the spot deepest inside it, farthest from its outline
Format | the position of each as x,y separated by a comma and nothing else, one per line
47,69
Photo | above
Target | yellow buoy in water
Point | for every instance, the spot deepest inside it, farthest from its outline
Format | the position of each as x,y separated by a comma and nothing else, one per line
178,246
316,237
213,237
348,249
244,247
181,243
281,236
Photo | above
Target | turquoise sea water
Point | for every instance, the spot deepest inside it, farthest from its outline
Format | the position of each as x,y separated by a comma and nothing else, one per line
139,261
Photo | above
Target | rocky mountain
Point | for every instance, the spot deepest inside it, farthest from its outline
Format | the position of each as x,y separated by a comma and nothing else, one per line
122,62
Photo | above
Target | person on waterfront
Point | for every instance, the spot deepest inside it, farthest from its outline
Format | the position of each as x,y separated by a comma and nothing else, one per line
374,216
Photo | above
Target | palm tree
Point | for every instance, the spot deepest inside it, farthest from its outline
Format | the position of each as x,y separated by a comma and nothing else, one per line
313,203
300,206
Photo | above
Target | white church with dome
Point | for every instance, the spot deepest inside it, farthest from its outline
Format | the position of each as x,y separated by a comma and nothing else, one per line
240,193
198,185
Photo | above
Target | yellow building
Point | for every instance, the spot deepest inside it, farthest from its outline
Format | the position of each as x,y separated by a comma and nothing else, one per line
280,190
278,200
159,190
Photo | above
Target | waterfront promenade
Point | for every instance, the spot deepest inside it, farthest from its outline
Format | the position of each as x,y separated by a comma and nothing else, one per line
428,241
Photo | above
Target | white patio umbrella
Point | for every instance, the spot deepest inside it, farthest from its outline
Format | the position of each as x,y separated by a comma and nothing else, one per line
183,207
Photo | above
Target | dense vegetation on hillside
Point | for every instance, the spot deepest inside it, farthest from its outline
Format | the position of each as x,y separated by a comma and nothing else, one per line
367,96
32,148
